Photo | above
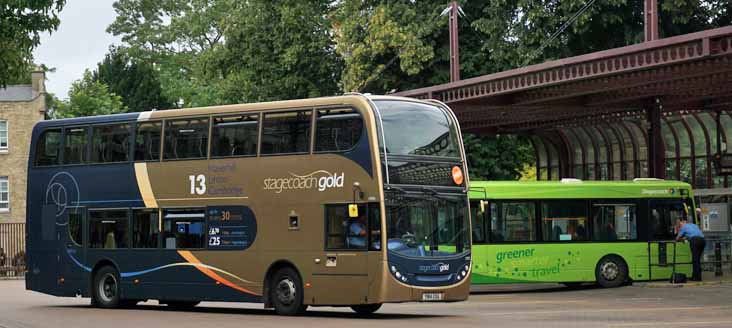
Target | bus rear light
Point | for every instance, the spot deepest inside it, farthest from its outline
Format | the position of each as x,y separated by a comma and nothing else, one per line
218,283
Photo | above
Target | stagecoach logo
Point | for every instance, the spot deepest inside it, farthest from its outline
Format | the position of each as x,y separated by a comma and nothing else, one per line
439,267
669,191
320,180
62,191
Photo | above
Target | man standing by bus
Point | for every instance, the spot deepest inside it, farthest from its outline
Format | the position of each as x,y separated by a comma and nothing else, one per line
694,235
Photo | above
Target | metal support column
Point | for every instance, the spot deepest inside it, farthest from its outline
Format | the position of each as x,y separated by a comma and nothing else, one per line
454,43
656,151
650,15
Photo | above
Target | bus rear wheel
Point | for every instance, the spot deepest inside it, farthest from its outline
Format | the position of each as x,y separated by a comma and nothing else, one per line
611,272
286,292
106,288
365,309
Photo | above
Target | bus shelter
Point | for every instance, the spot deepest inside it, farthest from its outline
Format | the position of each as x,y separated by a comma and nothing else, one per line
659,109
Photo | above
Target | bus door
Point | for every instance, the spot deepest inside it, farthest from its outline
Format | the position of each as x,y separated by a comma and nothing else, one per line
70,231
663,252
341,271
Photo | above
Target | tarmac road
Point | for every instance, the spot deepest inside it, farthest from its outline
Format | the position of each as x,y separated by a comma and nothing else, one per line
521,306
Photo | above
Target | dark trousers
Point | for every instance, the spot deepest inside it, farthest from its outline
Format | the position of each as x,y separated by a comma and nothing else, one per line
697,245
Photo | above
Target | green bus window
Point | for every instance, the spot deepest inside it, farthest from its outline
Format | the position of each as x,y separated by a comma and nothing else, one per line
147,141
664,218
286,133
75,146
108,229
478,222
75,228
513,222
234,136
343,231
145,228
564,221
183,228
186,139
48,148
110,143
337,130
612,222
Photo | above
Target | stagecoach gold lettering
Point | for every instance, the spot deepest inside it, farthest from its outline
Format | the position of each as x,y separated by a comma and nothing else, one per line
320,180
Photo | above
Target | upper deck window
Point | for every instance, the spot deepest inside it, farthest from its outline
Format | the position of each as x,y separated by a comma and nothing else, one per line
147,141
286,133
416,129
186,139
75,145
234,136
48,148
337,129
110,143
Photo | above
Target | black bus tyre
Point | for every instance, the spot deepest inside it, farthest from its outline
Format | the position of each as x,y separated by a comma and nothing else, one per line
611,272
286,292
365,309
106,288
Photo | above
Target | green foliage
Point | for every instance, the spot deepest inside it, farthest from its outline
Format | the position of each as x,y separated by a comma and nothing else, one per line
499,157
21,22
134,80
88,97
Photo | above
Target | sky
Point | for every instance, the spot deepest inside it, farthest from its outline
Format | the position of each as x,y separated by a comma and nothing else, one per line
79,43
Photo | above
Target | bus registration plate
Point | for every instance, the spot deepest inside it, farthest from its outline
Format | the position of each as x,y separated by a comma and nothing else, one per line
431,297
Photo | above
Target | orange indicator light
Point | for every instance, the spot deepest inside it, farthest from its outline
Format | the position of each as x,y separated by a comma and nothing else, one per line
307,285
457,175
136,281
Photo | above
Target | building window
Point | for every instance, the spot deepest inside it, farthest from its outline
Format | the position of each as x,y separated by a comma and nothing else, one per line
3,136
4,194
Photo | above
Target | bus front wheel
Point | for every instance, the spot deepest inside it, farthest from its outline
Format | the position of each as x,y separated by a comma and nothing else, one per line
611,272
365,309
106,288
287,292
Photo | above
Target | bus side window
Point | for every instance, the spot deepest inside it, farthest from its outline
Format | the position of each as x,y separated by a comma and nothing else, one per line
110,143
186,139
75,145
478,222
286,133
108,229
183,228
145,228
337,129
48,148
343,231
614,222
147,141
235,136
663,218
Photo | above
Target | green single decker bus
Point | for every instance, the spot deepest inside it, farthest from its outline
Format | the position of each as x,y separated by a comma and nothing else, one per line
573,231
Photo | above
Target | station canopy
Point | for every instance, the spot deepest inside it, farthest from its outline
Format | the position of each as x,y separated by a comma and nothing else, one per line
645,110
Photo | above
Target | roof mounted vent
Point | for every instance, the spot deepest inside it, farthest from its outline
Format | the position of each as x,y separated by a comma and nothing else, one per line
570,180
647,179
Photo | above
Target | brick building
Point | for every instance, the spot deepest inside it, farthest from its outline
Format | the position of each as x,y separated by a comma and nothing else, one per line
21,106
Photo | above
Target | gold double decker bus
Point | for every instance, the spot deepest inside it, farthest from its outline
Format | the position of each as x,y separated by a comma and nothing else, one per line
341,201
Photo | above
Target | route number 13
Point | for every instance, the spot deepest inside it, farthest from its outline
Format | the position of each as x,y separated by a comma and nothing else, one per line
198,184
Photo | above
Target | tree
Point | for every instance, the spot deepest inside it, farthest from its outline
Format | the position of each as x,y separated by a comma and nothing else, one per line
135,81
277,50
88,97
21,23
499,157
